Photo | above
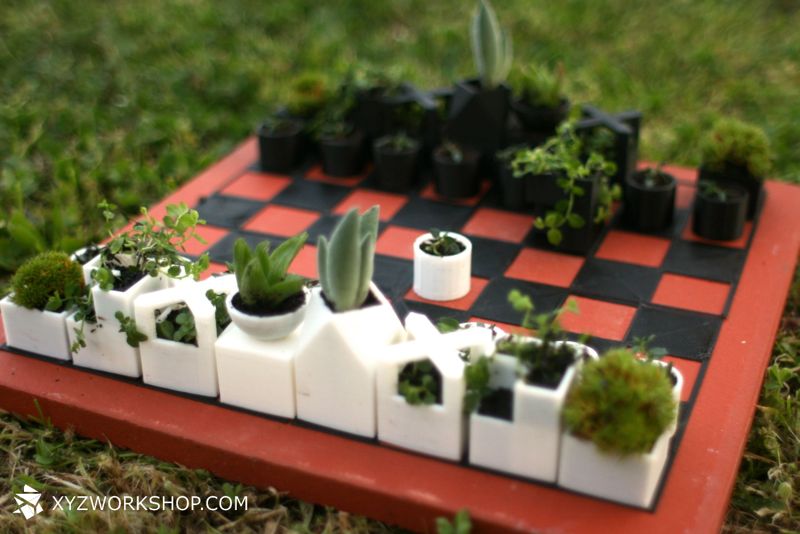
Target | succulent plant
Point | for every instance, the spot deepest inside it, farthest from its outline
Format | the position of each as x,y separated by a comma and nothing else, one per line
620,403
345,263
45,280
731,141
491,46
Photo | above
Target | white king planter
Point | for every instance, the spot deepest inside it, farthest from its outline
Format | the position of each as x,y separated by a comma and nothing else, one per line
40,332
442,277
108,303
436,429
172,364
336,360
527,445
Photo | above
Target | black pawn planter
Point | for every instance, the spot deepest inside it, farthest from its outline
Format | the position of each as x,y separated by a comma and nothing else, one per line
456,179
720,219
737,175
649,204
540,120
280,150
478,117
396,169
343,156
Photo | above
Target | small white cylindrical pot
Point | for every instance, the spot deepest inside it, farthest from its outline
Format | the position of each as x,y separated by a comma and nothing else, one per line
182,366
442,277
106,348
37,331
268,327
336,360
528,445
108,303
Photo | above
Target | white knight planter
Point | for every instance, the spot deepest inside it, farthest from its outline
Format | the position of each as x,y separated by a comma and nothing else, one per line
336,360
40,332
175,365
442,277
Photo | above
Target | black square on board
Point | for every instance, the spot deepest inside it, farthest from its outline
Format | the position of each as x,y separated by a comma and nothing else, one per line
326,224
393,276
616,281
491,258
227,212
682,333
426,214
493,303
434,312
312,195
222,251
704,261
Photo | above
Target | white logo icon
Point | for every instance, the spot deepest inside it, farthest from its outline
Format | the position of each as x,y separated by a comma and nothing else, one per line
28,502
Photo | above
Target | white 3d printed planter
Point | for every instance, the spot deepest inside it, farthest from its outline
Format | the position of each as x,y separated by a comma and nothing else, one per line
106,348
40,332
268,327
336,360
442,277
108,303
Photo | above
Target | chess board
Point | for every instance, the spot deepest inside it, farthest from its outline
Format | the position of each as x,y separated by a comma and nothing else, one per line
713,306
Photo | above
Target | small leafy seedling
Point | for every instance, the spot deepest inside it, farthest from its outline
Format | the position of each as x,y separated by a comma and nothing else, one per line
398,143
442,244
127,326
713,191
451,151
420,383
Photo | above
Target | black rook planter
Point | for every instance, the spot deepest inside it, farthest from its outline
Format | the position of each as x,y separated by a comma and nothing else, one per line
457,179
397,170
343,156
280,151
737,175
721,220
649,208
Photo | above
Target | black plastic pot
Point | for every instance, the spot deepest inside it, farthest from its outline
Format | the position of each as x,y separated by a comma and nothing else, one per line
649,209
721,220
542,120
343,156
542,189
397,170
477,117
737,175
280,151
512,190
456,179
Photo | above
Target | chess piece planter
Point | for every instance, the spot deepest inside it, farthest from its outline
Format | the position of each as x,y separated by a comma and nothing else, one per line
526,444
336,360
512,188
269,327
396,168
39,331
737,175
108,303
542,189
106,348
720,218
649,200
186,367
442,277
342,156
477,116
280,148
540,120
454,177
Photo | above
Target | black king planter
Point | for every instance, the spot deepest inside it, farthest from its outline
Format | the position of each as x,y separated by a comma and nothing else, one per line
649,209
280,151
721,220
738,175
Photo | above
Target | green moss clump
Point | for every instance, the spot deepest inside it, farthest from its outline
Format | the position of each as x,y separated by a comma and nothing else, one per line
308,94
44,276
731,141
620,403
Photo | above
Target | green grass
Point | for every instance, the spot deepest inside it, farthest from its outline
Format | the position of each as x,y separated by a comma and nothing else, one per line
126,100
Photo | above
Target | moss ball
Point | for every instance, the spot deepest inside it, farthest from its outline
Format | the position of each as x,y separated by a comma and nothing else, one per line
44,276
620,403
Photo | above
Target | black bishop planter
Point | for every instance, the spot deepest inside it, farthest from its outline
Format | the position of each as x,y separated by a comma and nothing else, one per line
649,207
343,156
737,175
720,219
280,151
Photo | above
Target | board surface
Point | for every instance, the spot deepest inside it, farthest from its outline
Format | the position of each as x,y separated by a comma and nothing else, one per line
715,308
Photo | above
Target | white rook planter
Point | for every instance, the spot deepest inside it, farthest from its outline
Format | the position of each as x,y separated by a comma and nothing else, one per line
442,277
172,364
40,332
336,360
527,445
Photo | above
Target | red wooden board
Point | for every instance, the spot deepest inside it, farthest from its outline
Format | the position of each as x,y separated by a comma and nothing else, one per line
412,490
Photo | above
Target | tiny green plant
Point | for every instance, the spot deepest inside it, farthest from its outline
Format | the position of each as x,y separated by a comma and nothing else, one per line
735,142
653,177
442,244
446,325
127,326
451,151
461,524
491,46
177,323
619,403
262,277
221,316
84,314
46,282
420,383
713,191
398,142
539,85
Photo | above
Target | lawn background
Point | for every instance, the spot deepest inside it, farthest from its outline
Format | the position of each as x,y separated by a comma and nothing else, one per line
126,100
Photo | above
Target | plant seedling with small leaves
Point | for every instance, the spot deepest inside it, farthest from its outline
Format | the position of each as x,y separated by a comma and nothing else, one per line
442,244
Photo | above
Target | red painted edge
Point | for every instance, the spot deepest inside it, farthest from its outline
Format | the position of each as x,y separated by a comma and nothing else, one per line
411,490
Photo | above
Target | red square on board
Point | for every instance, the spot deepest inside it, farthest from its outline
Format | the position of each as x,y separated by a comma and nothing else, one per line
210,234
398,241
629,247
689,235
363,199
305,263
684,196
545,267
282,221
429,192
463,304
213,268
499,224
318,175
256,186
689,369
598,318
689,293
505,327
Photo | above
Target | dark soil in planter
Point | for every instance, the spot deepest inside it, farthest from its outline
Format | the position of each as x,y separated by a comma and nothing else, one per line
343,156
542,120
737,175
397,170
499,403
720,220
127,278
372,300
457,179
545,370
280,151
649,207
289,305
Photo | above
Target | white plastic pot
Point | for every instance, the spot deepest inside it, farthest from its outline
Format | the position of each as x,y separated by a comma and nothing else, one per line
175,365
106,348
336,360
529,444
40,332
677,389
442,277
108,303
269,327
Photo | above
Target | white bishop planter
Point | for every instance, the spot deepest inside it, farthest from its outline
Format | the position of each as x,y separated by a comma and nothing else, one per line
40,332
436,429
527,445
336,360
175,365
442,277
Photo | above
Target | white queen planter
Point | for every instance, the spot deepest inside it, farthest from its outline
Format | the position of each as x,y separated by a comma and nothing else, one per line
336,361
528,445
442,277
182,366
37,331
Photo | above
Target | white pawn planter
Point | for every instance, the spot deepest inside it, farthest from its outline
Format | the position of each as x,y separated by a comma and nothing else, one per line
37,331
442,277
106,348
436,429
108,303
336,360
182,366
527,445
